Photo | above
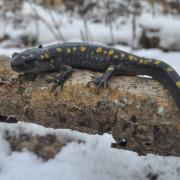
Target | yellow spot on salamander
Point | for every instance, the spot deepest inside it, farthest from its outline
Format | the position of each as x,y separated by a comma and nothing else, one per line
58,50
68,50
99,50
141,61
46,55
146,61
82,49
42,56
178,84
131,57
157,62
135,59
169,69
122,55
116,56
111,52
110,69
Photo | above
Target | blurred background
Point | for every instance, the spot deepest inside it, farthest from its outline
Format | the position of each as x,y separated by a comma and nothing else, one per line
133,23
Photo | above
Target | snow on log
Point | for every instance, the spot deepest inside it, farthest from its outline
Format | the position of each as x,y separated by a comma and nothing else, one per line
139,112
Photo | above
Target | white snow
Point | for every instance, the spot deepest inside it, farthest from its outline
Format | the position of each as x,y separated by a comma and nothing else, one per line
168,28
90,161
71,27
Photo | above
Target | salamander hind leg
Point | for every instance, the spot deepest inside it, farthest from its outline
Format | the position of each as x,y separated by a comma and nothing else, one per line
102,81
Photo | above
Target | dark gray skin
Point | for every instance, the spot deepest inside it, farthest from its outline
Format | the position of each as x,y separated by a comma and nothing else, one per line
29,62
94,57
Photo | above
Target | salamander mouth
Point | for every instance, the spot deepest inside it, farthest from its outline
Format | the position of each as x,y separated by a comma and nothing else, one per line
23,62
20,67
33,67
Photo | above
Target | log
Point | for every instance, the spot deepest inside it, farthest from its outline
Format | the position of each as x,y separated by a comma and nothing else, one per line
139,112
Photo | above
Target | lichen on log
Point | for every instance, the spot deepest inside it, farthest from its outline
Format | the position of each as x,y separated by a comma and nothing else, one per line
139,112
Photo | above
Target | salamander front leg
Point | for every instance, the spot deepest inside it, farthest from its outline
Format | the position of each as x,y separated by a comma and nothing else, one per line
64,76
102,81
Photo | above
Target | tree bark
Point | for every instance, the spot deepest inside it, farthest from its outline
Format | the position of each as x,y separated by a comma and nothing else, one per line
139,112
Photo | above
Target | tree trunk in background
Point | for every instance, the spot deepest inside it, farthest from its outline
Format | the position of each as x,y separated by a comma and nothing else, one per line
139,112
178,5
165,6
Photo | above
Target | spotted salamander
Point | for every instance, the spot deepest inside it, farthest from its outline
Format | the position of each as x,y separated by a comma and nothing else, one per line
97,58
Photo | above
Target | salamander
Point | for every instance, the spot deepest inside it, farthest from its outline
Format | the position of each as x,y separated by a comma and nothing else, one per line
101,58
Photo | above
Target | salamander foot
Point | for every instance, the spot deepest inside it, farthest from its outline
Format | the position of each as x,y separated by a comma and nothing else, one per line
102,81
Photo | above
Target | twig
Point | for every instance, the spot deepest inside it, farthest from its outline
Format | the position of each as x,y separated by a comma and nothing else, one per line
56,25
48,25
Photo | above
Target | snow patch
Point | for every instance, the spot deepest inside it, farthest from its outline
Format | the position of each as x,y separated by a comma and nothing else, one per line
93,160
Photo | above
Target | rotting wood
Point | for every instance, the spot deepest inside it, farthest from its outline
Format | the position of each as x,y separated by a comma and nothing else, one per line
139,112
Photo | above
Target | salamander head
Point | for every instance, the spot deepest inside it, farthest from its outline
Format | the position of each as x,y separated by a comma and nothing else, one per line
31,61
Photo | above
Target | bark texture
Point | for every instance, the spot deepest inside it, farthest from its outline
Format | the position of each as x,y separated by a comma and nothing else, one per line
139,112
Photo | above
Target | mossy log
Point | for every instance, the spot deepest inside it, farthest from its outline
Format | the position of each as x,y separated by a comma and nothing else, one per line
139,112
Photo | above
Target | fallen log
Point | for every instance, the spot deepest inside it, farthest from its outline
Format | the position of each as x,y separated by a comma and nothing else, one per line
141,115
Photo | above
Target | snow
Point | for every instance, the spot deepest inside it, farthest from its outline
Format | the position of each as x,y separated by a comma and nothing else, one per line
49,25
167,26
94,159
90,161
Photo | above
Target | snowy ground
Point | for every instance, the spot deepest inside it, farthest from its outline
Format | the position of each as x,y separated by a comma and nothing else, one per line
90,161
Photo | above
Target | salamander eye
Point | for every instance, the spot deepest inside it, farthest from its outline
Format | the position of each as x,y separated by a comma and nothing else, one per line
29,62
